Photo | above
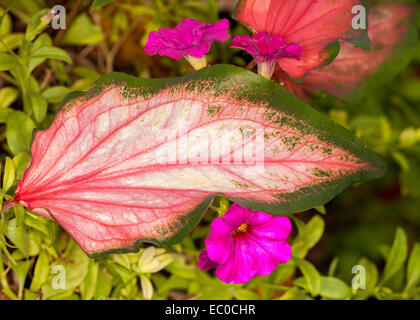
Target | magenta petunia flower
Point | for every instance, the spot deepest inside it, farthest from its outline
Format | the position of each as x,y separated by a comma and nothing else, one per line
189,39
267,48
245,243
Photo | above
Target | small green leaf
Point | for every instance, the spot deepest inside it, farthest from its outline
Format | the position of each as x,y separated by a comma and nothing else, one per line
396,256
20,162
88,286
83,32
19,129
334,288
5,23
313,278
56,94
321,209
371,273
51,53
7,62
8,95
37,24
146,287
294,294
75,264
103,285
9,174
39,106
245,294
21,270
4,113
413,267
41,271
11,42
333,266
308,235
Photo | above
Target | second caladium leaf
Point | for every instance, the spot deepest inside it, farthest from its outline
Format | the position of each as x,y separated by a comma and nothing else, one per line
314,25
141,160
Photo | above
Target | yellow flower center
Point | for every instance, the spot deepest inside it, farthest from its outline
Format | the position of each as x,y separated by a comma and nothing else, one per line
242,228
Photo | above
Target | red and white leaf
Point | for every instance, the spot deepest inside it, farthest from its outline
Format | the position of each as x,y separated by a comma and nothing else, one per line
141,160
312,24
391,42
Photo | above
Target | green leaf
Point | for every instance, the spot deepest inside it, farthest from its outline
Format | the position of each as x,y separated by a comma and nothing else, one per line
11,42
413,267
8,95
103,285
21,270
19,129
371,274
100,3
83,32
334,288
333,266
245,294
7,62
9,174
4,113
321,209
308,235
294,294
37,24
55,94
88,286
5,23
26,242
51,53
20,162
75,264
146,287
312,276
39,106
41,271
396,256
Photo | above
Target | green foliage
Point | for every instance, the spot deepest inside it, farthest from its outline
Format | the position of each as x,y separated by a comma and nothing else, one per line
357,228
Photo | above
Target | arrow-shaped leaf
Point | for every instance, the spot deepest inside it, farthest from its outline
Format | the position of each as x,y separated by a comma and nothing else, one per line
141,160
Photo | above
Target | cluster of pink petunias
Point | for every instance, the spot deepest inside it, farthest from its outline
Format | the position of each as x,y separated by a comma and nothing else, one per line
192,40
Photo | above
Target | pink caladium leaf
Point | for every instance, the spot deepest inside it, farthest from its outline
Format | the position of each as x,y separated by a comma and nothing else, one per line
314,25
393,36
137,160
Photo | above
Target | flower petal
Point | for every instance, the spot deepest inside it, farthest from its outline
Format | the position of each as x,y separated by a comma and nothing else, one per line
189,37
270,228
235,216
239,268
219,244
268,254
205,263
217,32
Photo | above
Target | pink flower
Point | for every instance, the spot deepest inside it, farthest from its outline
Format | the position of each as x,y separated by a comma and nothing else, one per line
189,39
267,48
245,243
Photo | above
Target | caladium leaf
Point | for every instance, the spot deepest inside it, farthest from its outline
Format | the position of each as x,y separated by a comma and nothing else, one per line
315,25
393,36
140,160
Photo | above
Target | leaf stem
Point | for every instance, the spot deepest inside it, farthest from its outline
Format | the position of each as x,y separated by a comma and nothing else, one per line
9,204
